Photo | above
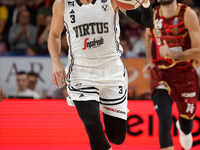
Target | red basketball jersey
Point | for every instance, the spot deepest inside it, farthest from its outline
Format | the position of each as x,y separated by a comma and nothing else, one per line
174,31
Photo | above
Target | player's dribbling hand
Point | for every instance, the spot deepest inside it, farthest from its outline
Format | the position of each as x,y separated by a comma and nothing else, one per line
165,51
58,74
147,68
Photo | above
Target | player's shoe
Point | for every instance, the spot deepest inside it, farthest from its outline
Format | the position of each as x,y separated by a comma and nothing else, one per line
185,140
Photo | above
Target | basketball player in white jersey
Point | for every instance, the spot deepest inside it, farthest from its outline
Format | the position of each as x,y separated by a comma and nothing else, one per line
96,77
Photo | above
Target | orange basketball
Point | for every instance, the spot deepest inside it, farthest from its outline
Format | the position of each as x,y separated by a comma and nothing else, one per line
129,4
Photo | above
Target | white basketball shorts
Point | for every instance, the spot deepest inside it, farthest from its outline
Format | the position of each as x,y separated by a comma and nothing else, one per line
107,85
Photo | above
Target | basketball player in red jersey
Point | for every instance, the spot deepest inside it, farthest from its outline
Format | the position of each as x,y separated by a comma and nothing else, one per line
172,45
96,76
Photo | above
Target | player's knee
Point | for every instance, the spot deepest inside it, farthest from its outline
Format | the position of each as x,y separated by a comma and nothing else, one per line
118,140
165,122
91,124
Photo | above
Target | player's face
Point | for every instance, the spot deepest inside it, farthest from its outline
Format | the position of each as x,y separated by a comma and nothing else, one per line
22,81
24,18
32,80
165,2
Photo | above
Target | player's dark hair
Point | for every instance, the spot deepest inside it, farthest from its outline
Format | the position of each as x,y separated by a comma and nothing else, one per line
21,73
33,74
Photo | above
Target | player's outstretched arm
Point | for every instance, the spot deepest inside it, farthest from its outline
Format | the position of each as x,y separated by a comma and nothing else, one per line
192,23
148,41
54,43
142,15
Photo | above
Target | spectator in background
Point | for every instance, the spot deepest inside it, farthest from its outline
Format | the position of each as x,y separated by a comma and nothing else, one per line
40,23
45,7
23,91
23,34
132,31
38,3
3,48
197,10
42,40
32,82
3,21
33,50
127,53
190,3
43,3
139,47
21,5
60,93
6,14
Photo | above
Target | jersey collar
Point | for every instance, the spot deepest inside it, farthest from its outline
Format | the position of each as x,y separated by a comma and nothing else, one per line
80,4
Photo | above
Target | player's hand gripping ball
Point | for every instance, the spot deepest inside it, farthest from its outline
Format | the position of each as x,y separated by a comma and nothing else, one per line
129,4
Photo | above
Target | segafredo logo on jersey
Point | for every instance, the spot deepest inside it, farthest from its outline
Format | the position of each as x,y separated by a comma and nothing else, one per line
92,44
91,28
115,110
188,95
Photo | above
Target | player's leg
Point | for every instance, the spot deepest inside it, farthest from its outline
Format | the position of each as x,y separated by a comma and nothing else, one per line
185,129
115,113
185,122
84,94
186,125
186,98
89,114
115,129
163,107
113,100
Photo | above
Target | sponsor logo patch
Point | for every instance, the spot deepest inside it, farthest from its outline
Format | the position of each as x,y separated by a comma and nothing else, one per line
93,44
188,95
115,110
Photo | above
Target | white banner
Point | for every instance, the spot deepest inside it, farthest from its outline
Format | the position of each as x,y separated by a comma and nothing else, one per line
10,65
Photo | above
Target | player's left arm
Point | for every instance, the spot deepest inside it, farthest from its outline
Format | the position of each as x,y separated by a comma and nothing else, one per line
142,15
192,23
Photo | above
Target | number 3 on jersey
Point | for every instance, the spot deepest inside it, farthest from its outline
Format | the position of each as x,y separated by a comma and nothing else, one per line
73,18
120,90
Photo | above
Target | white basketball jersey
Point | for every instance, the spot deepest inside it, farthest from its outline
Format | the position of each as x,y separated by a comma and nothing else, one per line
92,33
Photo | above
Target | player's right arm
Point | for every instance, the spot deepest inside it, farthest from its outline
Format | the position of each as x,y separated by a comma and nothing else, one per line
54,43
142,15
148,42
